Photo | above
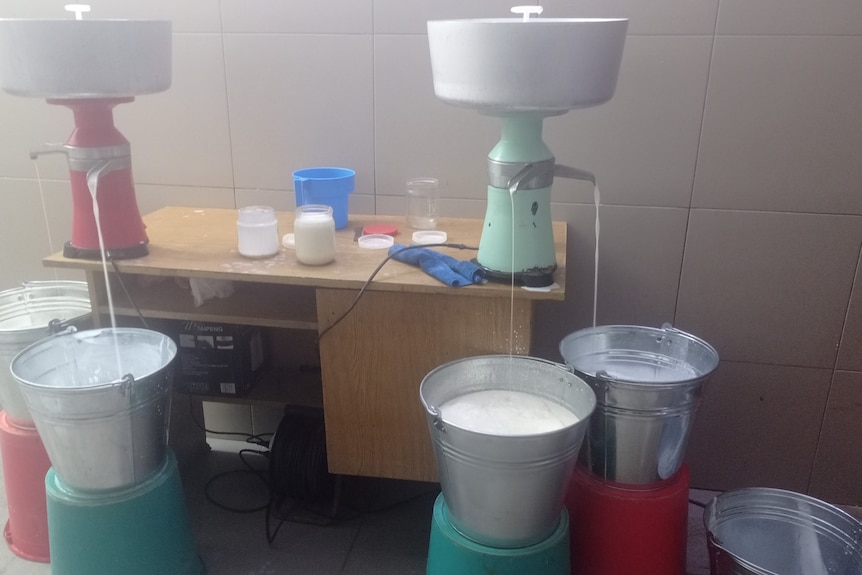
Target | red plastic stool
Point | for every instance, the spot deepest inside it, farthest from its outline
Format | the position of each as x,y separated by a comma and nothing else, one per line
25,464
615,531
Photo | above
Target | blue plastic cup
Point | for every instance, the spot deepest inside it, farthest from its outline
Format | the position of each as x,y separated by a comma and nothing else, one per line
327,186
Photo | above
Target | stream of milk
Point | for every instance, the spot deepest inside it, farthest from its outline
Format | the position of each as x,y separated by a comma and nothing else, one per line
92,184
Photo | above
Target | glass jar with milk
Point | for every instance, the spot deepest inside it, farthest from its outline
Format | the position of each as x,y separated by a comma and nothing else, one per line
314,234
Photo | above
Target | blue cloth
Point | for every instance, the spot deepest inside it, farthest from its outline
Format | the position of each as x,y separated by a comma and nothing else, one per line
438,269
444,268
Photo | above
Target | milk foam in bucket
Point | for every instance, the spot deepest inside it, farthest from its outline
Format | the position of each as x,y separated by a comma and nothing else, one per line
506,431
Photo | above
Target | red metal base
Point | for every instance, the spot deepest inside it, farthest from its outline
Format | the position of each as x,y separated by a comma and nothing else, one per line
619,532
123,229
25,464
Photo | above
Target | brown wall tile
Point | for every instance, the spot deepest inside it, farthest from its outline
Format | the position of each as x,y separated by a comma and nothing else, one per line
769,287
758,427
850,351
838,464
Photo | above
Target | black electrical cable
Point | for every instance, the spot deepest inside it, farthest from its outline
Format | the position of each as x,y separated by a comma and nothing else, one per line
250,469
377,270
299,477
128,295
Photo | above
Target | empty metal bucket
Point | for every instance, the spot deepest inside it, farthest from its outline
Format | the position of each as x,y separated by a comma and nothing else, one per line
27,314
505,490
761,531
648,385
104,426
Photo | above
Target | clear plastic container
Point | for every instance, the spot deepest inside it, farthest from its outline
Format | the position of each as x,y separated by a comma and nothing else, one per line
257,232
423,195
314,235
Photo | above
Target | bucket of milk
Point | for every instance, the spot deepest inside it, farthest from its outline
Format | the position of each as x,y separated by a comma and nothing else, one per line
506,432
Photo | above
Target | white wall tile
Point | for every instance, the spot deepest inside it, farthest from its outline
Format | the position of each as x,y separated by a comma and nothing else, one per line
187,16
27,124
279,200
660,17
300,17
769,287
312,107
642,145
283,200
782,130
181,136
832,17
418,135
449,207
152,197
57,198
227,418
25,234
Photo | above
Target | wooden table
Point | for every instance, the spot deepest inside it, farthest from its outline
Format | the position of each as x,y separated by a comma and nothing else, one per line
405,324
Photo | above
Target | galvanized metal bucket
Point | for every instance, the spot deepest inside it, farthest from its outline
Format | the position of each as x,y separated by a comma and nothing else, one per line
648,385
27,314
104,426
762,531
505,490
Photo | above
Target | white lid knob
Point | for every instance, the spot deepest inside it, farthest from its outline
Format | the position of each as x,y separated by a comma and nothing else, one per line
78,9
527,11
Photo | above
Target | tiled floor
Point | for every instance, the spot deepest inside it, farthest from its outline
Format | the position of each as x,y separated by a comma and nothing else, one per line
387,530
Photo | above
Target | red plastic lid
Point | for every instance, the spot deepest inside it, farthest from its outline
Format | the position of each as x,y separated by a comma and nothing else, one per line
384,229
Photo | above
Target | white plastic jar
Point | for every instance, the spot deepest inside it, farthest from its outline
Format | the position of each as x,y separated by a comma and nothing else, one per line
257,232
314,234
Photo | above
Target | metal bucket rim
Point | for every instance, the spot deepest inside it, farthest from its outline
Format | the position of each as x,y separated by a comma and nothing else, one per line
90,333
68,303
434,411
711,520
646,330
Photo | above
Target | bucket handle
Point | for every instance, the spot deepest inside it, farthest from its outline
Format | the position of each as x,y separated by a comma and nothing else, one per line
126,388
58,327
437,419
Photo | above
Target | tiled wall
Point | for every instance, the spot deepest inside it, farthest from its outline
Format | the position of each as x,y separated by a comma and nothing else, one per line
730,165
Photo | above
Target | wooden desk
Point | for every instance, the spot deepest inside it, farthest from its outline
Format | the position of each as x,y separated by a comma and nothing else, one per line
373,361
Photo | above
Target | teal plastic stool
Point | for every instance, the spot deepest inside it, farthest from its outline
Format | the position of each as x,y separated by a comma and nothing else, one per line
143,530
451,553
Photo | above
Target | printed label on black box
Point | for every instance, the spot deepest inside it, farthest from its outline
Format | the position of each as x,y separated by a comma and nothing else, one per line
228,388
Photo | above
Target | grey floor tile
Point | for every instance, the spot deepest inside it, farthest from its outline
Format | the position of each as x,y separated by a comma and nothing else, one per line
394,540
